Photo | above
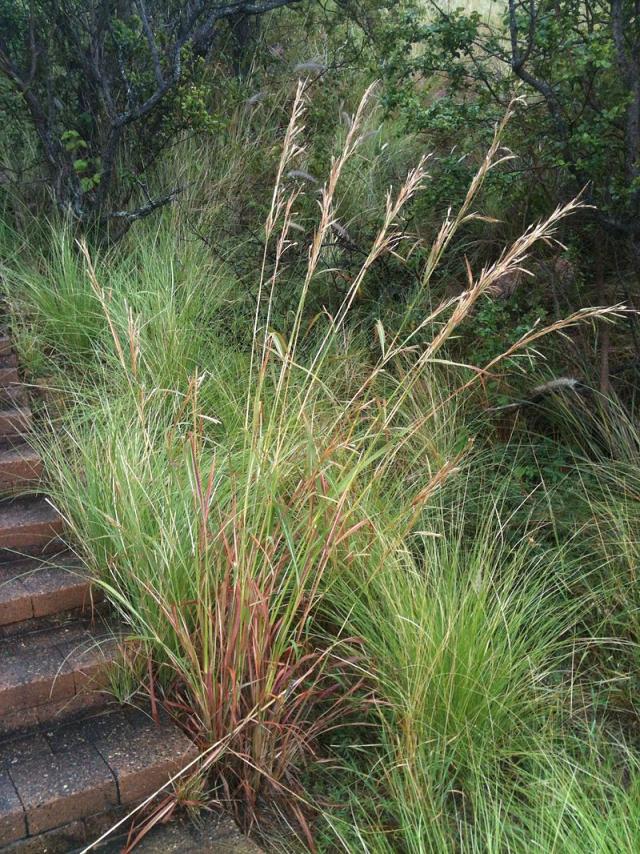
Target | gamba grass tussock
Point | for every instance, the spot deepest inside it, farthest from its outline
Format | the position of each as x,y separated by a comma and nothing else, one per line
269,527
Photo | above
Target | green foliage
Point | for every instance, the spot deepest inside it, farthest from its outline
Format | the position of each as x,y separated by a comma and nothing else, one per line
320,535
498,321
576,134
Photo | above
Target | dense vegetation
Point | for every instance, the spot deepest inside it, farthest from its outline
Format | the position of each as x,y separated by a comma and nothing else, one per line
346,426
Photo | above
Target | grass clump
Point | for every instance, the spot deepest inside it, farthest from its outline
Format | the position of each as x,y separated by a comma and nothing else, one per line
298,539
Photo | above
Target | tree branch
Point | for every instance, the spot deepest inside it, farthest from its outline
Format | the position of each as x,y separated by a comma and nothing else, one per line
153,47
519,59
144,210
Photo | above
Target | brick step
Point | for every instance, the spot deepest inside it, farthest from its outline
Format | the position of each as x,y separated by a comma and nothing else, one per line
28,525
61,787
15,421
8,360
20,466
53,672
36,588
8,376
13,395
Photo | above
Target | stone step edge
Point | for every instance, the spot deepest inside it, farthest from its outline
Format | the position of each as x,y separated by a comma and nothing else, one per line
20,466
15,420
35,588
28,524
9,376
69,773
43,673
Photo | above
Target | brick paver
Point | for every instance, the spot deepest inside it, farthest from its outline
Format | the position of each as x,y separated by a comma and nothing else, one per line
58,788
19,467
12,819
